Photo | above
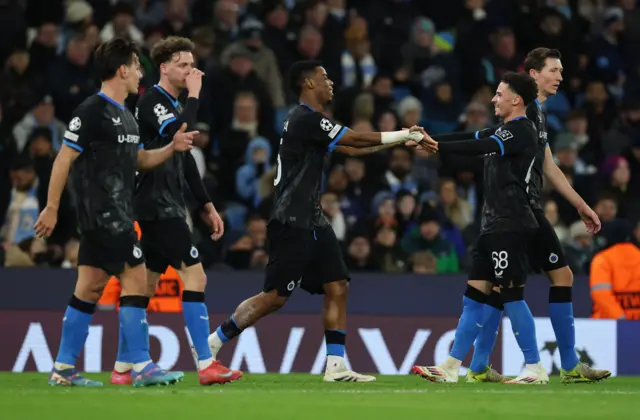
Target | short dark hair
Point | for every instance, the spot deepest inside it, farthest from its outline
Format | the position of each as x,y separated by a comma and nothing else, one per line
536,58
299,71
113,54
164,50
523,85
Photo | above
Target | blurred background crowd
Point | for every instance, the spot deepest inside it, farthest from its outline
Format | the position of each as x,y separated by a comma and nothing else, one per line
395,63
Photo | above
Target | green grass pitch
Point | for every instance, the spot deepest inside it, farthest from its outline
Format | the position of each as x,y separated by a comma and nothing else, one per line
300,396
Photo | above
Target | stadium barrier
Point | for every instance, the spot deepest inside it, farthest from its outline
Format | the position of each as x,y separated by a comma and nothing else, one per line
395,321
294,343
376,294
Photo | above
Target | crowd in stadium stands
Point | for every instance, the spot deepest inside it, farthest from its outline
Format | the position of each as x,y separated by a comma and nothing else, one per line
395,63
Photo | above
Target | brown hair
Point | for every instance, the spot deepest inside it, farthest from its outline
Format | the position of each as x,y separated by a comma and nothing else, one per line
536,58
164,50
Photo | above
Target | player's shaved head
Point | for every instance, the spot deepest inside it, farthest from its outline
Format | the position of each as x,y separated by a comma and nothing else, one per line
300,71
522,85
165,50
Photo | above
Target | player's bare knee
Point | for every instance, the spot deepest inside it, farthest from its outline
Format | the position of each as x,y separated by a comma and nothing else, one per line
88,294
134,281
562,277
337,289
195,281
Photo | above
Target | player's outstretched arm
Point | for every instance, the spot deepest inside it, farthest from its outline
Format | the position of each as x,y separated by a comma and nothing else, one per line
362,151
464,135
470,147
182,142
366,139
560,183
59,173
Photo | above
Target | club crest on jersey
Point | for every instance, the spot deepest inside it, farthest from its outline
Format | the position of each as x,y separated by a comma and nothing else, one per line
75,124
553,258
193,252
504,134
159,110
137,252
326,125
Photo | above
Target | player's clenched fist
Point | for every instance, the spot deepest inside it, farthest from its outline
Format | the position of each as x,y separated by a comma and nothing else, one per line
194,82
182,140
46,222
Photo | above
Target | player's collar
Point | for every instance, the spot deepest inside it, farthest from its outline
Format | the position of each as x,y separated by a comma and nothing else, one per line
518,118
303,104
113,101
173,100
538,103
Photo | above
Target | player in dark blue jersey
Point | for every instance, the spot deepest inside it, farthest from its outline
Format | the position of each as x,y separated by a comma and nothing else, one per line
103,150
303,249
545,251
159,205
500,254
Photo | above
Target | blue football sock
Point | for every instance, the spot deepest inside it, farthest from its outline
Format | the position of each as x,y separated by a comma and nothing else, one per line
335,341
486,339
469,324
133,321
123,351
561,314
75,329
196,317
524,329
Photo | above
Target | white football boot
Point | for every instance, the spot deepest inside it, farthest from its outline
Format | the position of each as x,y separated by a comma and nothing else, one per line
531,375
337,372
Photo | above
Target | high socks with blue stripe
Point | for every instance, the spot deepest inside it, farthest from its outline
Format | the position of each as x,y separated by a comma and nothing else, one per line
486,340
561,314
522,324
468,327
196,317
75,329
335,341
135,330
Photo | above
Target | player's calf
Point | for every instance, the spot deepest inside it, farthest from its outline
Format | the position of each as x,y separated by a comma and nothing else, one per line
524,329
245,315
334,317
561,316
486,340
75,327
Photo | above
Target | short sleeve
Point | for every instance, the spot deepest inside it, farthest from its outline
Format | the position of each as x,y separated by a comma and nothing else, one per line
323,131
155,111
80,129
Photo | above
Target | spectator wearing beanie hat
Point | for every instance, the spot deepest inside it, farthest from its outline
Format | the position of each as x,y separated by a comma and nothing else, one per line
427,237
